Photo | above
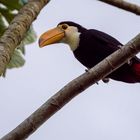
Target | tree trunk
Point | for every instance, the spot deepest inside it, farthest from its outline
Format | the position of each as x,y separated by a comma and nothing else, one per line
17,29
124,5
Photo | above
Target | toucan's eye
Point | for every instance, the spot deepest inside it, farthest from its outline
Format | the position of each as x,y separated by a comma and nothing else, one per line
64,26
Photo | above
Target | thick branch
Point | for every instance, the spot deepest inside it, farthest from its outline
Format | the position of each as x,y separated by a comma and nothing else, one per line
73,88
124,5
18,27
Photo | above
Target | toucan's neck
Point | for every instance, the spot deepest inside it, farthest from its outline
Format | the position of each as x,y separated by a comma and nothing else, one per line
74,41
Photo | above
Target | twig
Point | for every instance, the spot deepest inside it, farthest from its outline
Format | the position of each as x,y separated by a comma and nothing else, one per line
124,5
73,88
17,29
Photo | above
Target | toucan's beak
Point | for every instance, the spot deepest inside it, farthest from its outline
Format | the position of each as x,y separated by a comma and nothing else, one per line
52,36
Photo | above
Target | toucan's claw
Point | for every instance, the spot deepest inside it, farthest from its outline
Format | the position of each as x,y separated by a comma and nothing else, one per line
97,83
129,62
105,80
86,70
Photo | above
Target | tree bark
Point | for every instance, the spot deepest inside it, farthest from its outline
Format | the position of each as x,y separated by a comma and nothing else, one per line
17,29
124,5
73,88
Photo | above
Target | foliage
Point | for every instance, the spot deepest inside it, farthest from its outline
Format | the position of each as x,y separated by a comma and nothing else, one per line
8,10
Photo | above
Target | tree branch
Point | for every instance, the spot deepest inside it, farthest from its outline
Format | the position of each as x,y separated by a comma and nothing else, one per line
124,5
73,88
17,29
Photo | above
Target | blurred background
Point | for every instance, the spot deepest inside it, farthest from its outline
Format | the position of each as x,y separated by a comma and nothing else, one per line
102,112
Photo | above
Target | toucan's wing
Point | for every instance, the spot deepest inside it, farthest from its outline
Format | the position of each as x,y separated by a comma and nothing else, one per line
108,42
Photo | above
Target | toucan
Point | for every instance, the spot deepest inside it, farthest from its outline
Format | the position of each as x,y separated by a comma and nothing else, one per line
91,46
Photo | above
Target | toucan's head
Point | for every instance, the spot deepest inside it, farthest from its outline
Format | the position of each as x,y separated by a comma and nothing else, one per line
65,32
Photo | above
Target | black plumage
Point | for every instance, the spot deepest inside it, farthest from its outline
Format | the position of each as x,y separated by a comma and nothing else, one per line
95,45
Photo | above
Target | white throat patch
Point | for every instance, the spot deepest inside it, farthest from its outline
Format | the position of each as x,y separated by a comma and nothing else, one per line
72,37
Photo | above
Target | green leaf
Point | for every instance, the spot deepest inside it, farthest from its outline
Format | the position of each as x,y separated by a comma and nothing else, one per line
21,47
30,36
11,4
7,14
23,1
2,25
17,60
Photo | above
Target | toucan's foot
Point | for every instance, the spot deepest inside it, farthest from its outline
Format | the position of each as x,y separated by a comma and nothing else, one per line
120,46
86,70
105,80
97,83
129,62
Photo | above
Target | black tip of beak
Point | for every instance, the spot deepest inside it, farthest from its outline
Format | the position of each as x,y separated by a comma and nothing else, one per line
40,42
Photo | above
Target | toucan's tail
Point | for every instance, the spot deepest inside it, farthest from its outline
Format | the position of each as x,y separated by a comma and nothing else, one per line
136,69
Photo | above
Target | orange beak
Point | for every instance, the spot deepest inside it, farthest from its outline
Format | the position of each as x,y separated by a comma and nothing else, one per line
52,36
